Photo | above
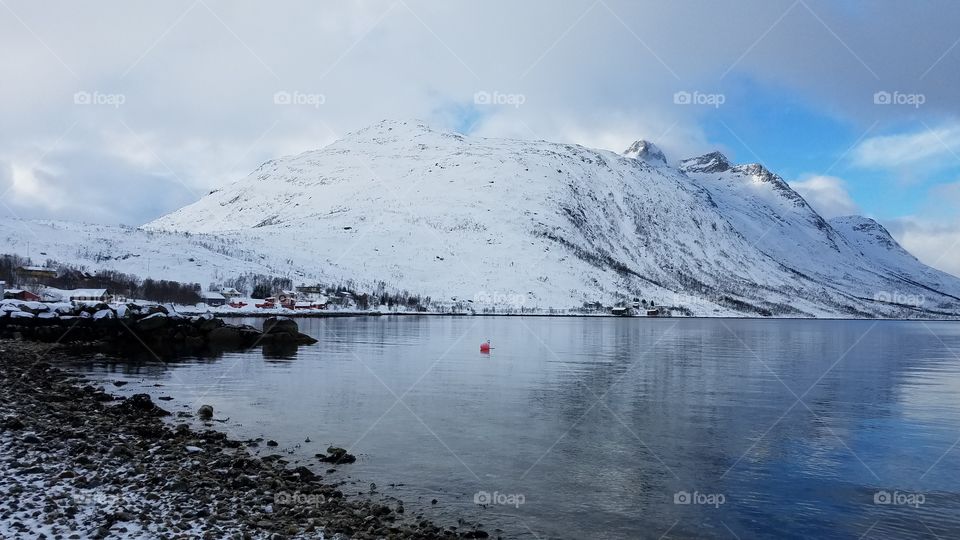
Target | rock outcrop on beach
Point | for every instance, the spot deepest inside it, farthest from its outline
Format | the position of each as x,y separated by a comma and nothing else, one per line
154,327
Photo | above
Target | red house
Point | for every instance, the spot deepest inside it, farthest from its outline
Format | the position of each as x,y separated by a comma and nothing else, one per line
19,294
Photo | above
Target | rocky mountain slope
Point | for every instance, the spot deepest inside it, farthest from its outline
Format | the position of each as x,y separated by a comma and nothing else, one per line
540,224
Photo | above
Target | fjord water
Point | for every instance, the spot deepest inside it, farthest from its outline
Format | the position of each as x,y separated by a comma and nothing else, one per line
612,428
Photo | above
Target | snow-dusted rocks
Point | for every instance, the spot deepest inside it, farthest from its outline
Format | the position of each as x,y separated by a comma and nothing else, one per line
714,162
646,151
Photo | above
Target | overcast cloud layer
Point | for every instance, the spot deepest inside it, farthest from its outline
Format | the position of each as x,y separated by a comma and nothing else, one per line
119,112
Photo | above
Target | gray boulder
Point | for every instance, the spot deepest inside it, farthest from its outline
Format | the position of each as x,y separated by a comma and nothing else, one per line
205,412
152,323
280,325
225,336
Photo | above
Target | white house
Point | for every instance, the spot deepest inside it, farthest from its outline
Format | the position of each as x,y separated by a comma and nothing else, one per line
51,294
230,293
89,295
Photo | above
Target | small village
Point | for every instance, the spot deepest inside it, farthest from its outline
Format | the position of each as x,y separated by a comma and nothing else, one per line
31,287
32,283
303,298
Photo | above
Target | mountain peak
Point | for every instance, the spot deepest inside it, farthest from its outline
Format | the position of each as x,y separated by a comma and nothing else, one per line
557,222
646,151
404,125
708,163
754,169
402,132
869,235
865,225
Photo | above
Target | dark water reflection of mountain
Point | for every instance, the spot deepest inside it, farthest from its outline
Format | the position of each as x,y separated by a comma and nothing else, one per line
800,426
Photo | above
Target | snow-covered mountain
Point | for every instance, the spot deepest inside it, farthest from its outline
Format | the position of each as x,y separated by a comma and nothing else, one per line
188,258
556,225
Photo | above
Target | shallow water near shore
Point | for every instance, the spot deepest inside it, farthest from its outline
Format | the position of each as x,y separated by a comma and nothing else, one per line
609,428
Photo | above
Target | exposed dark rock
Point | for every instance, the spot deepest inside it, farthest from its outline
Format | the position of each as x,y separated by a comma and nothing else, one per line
152,323
155,328
280,325
226,336
336,455
208,323
11,422
205,412
140,405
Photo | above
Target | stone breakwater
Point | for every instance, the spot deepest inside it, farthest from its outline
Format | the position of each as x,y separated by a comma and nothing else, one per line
81,463
130,326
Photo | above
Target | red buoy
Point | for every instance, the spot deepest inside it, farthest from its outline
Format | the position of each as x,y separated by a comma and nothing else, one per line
485,346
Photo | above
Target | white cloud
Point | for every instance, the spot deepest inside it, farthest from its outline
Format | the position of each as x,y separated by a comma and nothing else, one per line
933,234
935,243
827,195
946,196
198,79
930,147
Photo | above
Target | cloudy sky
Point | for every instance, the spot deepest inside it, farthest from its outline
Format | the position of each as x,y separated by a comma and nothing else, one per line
119,112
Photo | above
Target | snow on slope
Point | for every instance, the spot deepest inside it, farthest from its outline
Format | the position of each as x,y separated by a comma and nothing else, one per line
854,253
160,255
896,264
555,225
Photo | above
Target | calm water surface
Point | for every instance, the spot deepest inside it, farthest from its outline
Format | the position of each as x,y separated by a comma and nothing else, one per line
603,428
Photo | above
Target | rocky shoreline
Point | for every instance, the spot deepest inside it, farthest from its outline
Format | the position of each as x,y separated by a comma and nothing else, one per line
159,329
81,463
